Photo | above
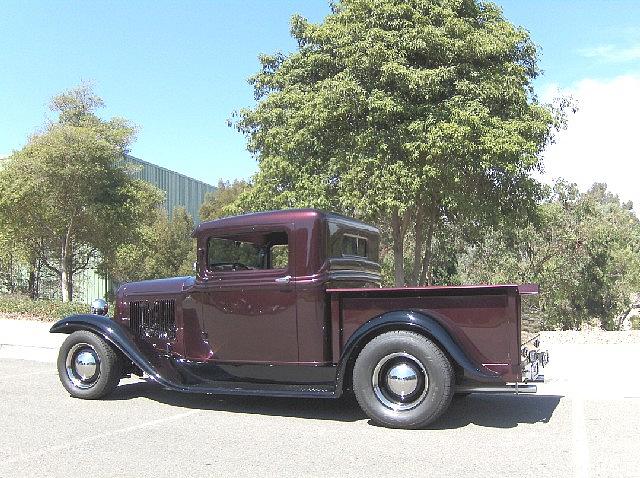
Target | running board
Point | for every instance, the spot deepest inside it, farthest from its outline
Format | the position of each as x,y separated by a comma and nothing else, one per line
255,389
516,388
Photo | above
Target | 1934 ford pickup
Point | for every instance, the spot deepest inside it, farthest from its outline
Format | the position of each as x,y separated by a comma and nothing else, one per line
289,303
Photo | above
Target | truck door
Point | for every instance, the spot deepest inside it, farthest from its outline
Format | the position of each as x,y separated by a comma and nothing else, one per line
247,296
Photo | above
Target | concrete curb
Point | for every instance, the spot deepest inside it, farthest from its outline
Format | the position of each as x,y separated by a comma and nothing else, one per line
29,340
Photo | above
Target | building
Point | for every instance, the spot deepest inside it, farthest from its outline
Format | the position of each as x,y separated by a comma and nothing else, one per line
180,190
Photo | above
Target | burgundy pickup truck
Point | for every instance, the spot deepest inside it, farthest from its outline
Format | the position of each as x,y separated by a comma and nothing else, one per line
289,303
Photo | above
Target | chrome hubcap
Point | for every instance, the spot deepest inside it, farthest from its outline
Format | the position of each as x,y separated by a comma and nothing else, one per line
83,365
400,381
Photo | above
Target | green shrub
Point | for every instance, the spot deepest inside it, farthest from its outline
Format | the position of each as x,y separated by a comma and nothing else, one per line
42,309
635,322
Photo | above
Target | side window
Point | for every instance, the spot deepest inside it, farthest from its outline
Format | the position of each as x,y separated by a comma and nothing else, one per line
252,251
230,255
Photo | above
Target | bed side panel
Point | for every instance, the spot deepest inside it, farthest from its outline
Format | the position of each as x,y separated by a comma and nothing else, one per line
484,323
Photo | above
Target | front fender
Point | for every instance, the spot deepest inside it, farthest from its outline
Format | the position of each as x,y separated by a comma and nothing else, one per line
152,362
418,322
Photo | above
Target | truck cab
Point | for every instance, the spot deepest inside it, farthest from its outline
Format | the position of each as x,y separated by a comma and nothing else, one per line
289,303
260,289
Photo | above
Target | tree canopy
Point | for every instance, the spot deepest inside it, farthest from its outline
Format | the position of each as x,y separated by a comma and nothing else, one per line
68,195
164,248
222,201
584,253
411,113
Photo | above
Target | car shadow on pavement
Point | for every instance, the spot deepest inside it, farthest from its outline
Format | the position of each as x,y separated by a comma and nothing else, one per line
345,409
496,411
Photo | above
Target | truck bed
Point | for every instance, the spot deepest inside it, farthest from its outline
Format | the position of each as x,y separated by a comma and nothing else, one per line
483,319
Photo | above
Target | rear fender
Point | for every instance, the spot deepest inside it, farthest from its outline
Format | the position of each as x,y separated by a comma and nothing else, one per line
416,322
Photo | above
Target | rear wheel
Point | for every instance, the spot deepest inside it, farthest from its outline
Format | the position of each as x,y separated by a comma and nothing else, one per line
88,366
403,380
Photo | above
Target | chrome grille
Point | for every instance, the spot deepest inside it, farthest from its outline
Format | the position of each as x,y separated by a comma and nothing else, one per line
153,319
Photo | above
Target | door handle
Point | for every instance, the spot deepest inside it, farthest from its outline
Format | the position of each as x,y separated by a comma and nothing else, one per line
283,280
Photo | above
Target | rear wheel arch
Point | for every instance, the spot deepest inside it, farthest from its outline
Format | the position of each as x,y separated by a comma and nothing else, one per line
362,341
413,321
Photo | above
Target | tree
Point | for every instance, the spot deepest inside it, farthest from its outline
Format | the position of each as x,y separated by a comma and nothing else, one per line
8,258
408,113
67,194
222,201
18,257
164,248
584,253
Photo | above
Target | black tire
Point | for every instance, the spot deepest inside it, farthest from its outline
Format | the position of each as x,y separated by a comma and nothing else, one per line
375,379
84,346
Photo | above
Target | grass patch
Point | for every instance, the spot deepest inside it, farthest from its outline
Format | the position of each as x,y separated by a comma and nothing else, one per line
22,307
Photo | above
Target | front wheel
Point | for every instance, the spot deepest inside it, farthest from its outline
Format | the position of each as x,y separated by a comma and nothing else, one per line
403,380
88,366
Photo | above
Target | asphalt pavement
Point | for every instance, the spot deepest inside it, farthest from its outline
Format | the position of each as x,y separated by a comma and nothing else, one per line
579,424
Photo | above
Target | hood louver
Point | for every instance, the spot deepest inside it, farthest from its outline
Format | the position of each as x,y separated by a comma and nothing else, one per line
153,318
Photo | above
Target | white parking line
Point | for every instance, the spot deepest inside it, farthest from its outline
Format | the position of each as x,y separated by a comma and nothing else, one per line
93,438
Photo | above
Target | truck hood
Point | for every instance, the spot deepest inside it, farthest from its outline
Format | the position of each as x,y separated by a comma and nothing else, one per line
173,285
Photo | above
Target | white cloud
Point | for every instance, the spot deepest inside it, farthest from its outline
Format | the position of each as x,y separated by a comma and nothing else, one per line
602,140
611,53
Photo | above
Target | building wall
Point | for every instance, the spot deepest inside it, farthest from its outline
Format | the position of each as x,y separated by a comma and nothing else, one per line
180,190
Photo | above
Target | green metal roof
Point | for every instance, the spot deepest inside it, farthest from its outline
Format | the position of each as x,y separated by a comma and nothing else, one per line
180,190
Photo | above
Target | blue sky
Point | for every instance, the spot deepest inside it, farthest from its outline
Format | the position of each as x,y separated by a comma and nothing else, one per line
178,70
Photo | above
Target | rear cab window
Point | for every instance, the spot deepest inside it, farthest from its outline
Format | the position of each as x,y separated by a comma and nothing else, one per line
347,242
354,246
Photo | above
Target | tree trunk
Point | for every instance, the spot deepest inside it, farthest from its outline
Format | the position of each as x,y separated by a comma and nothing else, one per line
66,271
66,278
398,231
418,233
31,285
398,249
11,275
34,276
426,276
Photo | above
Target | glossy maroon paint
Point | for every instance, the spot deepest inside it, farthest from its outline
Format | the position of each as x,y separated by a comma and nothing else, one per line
249,317
246,316
482,319
172,288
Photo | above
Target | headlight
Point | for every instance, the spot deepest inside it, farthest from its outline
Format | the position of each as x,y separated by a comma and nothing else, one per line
99,307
